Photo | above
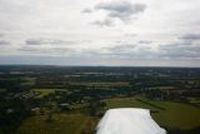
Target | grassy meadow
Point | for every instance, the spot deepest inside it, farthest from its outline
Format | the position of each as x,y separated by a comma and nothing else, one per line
166,114
61,124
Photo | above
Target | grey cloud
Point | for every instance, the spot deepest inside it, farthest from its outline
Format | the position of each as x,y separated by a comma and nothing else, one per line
179,51
106,22
35,50
122,10
2,43
87,10
145,42
48,41
1,35
191,37
28,49
167,51
126,47
62,50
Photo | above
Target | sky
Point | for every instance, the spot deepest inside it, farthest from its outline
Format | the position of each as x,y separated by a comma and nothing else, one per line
100,32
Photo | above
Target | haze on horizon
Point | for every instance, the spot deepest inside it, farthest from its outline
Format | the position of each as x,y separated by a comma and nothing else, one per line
100,32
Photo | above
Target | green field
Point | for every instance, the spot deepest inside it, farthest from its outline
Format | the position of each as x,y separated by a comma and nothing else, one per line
174,115
61,124
45,92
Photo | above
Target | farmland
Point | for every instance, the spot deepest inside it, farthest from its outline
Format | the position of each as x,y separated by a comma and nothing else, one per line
52,99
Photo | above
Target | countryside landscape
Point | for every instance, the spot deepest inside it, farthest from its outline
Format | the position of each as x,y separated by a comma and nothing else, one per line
71,100
99,67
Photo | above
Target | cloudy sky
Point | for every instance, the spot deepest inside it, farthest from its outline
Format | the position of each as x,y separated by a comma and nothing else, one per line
100,32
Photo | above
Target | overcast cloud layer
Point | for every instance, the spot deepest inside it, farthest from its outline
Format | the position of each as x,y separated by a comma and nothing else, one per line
100,32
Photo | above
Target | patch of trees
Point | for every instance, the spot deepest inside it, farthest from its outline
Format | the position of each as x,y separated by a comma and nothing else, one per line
12,113
96,107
